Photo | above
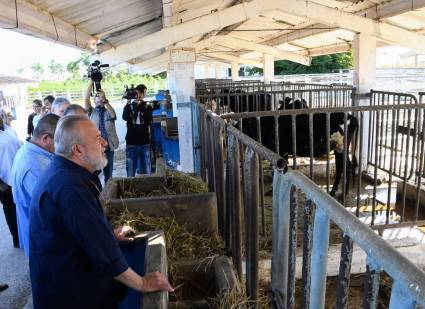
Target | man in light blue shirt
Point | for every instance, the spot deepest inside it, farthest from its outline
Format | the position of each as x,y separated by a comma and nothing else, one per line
29,165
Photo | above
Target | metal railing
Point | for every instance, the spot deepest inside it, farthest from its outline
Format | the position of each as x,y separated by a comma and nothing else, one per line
395,136
238,193
232,163
408,289
306,133
268,97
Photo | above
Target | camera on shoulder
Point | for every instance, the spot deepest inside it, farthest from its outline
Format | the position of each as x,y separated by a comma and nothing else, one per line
95,73
129,93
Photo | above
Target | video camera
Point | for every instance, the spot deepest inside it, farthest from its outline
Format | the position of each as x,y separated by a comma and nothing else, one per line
130,93
95,74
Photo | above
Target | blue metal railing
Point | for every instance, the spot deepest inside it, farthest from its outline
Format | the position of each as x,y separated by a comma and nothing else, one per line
408,290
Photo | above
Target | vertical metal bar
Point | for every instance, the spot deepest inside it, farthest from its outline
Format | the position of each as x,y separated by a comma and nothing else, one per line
261,179
360,156
230,191
236,205
251,201
345,156
280,238
371,285
204,147
311,138
292,246
210,162
328,150
421,139
294,141
319,259
276,134
307,248
390,174
400,298
344,273
405,178
219,182
375,173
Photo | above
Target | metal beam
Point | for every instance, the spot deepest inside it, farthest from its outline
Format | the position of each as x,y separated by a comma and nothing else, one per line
380,11
277,53
201,25
141,66
42,24
337,18
240,60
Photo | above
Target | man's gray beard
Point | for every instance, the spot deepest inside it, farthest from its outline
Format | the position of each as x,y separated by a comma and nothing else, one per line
98,163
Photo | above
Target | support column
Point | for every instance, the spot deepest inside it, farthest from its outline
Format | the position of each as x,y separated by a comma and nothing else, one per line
268,68
181,82
219,72
235,71
364,77
207,70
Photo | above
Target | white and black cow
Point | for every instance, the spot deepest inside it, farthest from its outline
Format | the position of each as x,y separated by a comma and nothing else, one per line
249,127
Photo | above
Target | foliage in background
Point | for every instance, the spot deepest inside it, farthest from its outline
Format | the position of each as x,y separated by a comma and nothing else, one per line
73,76
319,64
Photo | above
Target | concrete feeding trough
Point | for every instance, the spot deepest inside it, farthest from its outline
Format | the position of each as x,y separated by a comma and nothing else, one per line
197,211
203,280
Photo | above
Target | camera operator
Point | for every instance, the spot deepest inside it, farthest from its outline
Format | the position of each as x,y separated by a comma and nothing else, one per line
138,116
103,115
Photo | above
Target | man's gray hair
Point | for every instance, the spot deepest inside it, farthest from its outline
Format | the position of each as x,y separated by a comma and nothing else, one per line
46,125
59,101
67,134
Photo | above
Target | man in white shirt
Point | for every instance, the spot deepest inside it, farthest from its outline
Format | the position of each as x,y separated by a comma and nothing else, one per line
9,146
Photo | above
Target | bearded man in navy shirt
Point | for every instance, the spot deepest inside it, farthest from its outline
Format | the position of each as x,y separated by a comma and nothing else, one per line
75,259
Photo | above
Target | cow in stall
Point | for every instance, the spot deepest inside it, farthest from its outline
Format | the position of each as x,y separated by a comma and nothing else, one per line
239,101
336,138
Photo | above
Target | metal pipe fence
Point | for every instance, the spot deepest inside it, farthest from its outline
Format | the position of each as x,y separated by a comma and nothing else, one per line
408,288
305,138
225,150
267,98
231,165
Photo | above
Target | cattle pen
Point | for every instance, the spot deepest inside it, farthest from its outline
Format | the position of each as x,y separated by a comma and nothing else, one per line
382,188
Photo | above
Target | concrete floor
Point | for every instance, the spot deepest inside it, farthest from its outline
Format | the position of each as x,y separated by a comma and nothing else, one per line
14,271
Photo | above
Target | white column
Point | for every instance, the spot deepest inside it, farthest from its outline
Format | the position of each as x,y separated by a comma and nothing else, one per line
207,70
268,68
364,76
181,82
235,71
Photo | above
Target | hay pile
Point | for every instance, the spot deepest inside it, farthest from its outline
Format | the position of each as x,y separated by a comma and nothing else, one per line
180,243
237,300
174,183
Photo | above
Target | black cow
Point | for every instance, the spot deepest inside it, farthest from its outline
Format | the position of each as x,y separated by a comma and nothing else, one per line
249,127
240,101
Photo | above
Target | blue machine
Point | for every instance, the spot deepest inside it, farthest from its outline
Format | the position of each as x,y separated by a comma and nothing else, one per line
170,143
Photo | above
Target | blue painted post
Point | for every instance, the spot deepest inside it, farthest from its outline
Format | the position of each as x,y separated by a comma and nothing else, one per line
319,259
400,298
280,238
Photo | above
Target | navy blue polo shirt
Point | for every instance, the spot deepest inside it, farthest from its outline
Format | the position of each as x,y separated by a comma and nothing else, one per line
74,255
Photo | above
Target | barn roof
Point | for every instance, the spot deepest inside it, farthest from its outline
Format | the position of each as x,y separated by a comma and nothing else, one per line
9,79
222,31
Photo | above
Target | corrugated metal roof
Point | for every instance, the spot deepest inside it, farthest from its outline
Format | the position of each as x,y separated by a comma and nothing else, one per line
113,23
8,79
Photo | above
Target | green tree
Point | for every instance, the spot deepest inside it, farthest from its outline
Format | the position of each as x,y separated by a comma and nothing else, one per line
38,70
56,69
319,64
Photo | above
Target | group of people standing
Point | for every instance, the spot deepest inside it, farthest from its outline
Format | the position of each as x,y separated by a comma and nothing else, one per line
74,256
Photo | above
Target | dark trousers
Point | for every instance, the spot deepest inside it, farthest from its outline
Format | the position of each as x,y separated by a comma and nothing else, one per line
9,210
107,170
